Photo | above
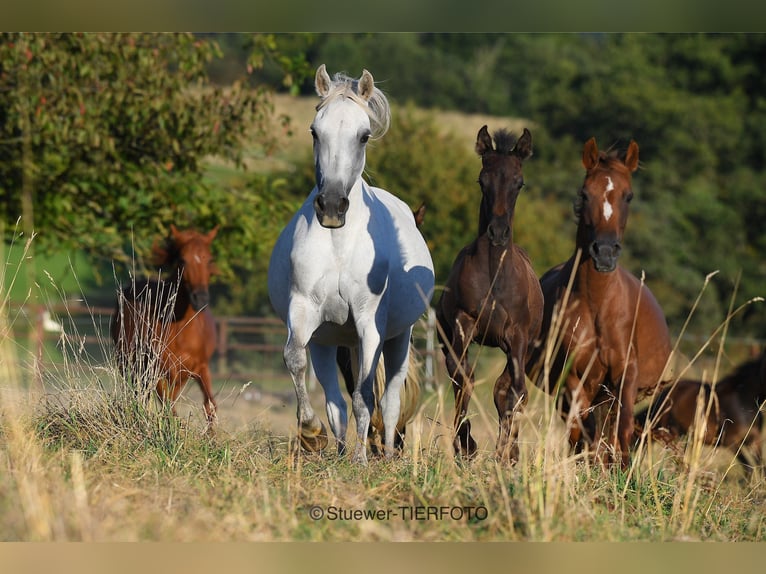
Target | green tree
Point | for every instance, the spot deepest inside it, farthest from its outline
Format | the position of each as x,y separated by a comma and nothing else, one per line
104,137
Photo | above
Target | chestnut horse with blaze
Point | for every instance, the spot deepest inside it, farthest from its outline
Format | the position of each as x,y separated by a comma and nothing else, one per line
492,296
606,339
163,328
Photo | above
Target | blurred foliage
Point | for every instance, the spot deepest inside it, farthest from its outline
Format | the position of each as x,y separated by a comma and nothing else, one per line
106,136
118,132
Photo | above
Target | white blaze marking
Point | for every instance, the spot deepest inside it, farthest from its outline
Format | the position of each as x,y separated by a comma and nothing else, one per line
608,206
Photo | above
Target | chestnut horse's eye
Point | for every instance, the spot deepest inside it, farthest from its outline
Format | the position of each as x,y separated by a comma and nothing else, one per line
629,197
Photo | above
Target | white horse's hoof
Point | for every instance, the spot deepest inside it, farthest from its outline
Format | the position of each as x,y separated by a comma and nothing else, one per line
313,438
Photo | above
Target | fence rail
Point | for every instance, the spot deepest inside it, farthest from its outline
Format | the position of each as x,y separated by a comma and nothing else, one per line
247,347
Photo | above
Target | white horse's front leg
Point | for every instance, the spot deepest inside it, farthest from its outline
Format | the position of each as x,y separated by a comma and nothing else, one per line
323,360
396,353
301,324
363,399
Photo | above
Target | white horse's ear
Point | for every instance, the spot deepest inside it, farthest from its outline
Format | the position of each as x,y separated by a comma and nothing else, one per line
322,81
366,85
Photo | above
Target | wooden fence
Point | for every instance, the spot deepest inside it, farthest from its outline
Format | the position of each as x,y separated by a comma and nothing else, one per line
248,348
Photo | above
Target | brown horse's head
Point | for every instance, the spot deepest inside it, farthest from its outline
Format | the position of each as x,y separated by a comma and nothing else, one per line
602,205
190,251
501,180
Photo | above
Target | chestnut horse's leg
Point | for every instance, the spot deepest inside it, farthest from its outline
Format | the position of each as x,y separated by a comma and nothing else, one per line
576,409
169,387
625,427
461,375
205,381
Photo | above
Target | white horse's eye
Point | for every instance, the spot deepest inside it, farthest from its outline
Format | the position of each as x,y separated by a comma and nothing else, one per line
364,138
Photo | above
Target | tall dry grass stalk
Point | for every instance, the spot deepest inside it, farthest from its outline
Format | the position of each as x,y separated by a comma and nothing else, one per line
93,460
23,455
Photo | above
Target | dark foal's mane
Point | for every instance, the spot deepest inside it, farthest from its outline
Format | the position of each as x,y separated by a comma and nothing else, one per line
504,141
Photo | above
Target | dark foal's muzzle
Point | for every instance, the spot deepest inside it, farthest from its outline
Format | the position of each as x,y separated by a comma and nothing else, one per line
499,232
605,255
331,209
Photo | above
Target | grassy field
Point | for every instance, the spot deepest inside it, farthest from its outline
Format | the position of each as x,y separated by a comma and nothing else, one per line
82,460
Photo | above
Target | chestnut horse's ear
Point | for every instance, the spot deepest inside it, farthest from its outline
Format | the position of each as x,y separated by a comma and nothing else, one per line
590,154
322,81
483,141
631,157
211,234
523,147
366,85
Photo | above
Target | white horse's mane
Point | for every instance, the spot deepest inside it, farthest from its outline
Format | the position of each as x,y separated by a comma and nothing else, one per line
377,106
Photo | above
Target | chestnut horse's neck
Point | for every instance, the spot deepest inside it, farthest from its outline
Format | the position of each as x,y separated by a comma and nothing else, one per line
588,281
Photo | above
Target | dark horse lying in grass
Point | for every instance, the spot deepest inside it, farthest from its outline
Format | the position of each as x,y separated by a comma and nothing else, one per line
730,413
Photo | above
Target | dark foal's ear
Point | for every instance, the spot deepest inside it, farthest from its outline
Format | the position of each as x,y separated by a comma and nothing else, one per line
590,154
523,147
483,141
631,157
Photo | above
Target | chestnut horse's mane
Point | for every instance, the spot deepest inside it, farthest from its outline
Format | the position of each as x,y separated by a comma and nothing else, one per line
165,254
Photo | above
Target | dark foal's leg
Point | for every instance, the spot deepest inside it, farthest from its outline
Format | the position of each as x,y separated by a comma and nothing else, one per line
462,383
510,395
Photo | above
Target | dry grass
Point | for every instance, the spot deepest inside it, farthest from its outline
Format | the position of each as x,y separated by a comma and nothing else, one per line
85,459
88,462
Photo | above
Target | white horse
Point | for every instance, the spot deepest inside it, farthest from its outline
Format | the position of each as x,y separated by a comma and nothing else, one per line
351,268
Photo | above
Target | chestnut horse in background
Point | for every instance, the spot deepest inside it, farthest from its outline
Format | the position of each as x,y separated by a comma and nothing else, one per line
606,336
163,329
492,296
732,411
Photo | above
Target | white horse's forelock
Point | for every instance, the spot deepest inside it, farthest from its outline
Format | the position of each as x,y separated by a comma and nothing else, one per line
377,107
